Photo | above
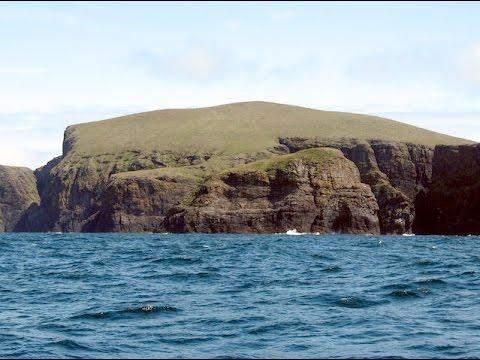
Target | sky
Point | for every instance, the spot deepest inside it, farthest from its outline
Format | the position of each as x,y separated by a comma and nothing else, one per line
66,63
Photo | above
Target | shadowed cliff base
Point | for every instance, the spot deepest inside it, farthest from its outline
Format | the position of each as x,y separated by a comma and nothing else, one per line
451,204
253,167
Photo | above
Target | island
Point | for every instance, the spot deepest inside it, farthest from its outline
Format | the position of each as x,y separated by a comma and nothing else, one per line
250,167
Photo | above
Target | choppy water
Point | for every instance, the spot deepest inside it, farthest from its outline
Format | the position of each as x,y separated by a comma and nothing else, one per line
118,295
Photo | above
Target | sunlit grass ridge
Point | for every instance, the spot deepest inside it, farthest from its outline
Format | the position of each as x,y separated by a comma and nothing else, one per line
245,127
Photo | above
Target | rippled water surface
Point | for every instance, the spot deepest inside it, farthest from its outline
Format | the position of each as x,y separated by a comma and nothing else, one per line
119,295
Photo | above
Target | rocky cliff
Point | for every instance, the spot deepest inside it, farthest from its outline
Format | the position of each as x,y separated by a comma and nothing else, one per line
243,175
142,201
396,173
18,194
316,190
451,205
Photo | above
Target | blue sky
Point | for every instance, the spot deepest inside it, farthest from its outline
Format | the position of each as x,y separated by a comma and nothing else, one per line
64,63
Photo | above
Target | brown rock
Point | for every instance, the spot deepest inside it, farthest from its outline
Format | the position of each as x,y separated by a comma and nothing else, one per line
18,193
452,206
139,204
316,190
396,173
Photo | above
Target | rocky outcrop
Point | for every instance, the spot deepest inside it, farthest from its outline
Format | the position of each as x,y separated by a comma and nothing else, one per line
139,203
315,190
452,204
76,190
70,191
18,193
396,173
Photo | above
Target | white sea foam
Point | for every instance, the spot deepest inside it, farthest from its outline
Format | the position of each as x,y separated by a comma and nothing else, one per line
294,232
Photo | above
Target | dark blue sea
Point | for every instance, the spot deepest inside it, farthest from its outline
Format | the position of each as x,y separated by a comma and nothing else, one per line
132,295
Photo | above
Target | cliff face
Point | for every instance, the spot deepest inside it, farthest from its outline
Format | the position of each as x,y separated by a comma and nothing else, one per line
69,196
366,187
452,204
18,193
248,178
82,193
396,173
315,190
139,204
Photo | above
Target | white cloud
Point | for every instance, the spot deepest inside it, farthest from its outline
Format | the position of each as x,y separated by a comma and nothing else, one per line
233,25
22,70
31,149
282,15
33,138
461,124
475,63
197,63
470,64
194,64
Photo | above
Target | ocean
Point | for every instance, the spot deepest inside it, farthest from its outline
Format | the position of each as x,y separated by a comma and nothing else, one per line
199,295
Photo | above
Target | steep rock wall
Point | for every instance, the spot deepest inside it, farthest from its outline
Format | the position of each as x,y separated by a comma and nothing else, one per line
75,189
396,173
414,188
141,204
18,193
316,190
452,204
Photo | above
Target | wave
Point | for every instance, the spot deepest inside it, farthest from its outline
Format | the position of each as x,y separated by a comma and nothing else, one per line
322,257
432,282
129,312
468,272
276,327
355,302
426,262
294,232
332,269
177,260
404,294
69,344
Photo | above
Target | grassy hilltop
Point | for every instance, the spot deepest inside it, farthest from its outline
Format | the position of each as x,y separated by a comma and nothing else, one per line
237,128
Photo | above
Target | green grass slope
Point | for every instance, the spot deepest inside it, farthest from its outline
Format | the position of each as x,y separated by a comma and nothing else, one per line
281,162
239,128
